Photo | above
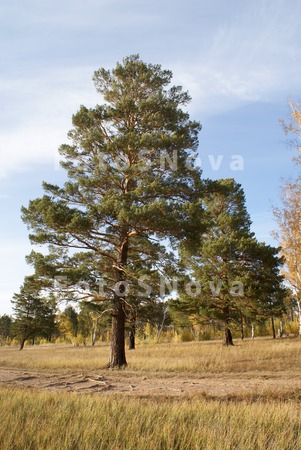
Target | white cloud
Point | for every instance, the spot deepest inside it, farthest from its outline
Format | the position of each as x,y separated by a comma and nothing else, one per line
245,56
40,110
27,147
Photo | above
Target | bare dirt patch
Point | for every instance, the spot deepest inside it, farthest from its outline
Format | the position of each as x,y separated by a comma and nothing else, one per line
218,386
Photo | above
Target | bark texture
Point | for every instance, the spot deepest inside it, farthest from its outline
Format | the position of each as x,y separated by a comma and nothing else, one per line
117,356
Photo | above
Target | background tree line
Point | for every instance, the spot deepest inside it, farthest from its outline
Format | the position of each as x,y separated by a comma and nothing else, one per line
80,326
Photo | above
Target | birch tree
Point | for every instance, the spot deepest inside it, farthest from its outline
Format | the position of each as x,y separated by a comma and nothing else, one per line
288,215
288,218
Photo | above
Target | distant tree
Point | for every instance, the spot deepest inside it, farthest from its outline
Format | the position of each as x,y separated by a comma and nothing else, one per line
270,291
232,275
34,313
5,328
90,319
132,185
72,317
98,318
155,314
85,323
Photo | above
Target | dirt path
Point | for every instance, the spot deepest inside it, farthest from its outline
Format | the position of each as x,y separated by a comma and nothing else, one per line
220,386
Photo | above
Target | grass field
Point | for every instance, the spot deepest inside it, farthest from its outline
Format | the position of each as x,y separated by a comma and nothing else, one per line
32,419
46,421
206,357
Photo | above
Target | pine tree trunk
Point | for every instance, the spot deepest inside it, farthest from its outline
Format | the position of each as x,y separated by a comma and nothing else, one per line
273,327
132,335
22,344
227,336
117,357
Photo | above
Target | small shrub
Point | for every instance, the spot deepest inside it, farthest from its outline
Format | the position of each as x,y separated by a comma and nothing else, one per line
187,336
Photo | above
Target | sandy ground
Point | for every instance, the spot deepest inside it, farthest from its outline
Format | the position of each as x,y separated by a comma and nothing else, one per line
218,386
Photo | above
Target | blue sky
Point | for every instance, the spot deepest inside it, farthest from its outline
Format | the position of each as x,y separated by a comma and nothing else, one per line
240,61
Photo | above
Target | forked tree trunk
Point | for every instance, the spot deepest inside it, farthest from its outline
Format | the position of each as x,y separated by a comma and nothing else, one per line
117,356
227,336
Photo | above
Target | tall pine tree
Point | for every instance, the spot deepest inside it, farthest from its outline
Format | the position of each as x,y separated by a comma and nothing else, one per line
131,184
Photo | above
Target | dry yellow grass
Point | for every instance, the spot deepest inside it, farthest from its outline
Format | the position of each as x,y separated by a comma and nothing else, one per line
35,420
202,357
